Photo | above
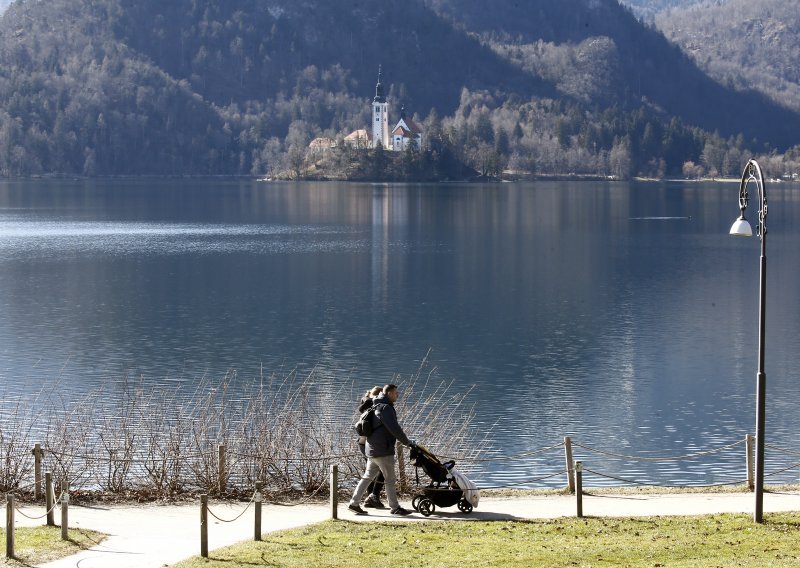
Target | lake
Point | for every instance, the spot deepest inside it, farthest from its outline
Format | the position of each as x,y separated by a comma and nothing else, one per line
620,314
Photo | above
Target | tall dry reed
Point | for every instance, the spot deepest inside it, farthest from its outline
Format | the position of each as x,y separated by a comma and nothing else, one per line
284,433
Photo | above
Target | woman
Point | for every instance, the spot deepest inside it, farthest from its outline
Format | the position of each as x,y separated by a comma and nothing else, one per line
373,500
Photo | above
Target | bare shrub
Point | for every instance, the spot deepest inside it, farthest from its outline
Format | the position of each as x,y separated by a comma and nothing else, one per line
16,461
164,439
283,433
70,436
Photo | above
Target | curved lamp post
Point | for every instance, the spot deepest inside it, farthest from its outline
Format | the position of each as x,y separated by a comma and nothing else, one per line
741,227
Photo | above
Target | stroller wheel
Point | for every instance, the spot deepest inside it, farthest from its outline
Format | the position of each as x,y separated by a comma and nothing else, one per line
426,507
415,501
465,506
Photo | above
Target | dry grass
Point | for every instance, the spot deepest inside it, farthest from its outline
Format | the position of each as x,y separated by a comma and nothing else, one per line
145,442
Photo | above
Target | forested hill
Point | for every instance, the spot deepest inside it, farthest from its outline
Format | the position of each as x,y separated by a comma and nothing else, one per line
649,9
125,86
631,62
226,86
744,44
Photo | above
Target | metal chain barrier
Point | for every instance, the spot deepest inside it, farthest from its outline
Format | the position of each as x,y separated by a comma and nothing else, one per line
663,458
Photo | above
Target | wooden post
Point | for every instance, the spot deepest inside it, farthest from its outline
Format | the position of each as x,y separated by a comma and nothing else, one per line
9,526
257,528
334,492
579,487
222,480
570,467
401,467
204,526
64,510
37,471
749,450
49,498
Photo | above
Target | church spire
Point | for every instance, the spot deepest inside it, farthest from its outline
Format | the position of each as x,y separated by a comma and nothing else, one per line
379,96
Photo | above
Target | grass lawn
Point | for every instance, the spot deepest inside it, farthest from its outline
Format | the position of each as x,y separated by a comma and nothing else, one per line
37,545
716,540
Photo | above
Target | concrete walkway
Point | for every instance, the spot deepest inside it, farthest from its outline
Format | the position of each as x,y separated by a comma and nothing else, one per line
159,535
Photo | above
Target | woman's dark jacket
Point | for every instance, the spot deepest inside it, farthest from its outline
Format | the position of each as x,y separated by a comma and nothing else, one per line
386,429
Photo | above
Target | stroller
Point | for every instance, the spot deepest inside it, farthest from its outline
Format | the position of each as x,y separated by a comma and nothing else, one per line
448,486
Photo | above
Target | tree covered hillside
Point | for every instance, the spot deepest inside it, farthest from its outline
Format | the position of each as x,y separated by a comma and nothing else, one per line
102,87
214,86
649,9
597,49
745,44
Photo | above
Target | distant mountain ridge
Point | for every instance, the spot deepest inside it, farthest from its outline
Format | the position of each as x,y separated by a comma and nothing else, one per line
215,86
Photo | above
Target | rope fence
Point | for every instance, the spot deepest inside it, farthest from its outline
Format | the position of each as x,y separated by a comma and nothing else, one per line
237,517
219,473
56,502
661,458
224,471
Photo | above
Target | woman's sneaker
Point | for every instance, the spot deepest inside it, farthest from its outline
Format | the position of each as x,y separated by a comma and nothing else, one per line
373,502
400,511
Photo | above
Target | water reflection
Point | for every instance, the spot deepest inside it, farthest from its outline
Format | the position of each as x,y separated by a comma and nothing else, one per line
621,315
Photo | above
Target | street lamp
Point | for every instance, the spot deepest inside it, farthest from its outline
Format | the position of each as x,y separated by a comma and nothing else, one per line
741,227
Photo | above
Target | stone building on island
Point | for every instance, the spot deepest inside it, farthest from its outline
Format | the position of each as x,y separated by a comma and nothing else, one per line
405,134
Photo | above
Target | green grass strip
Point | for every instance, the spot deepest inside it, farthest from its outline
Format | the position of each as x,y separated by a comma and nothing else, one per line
714,540
37,545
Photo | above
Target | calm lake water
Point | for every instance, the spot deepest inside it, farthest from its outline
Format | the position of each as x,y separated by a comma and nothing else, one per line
622,315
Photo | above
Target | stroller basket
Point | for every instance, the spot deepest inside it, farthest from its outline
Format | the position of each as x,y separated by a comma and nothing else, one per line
443,497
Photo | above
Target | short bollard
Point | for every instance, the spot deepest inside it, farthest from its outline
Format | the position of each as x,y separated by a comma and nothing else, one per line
579,487
64,510
222,481
257,528
204,526
568,458
49,499
334,492
9,526
37,471
748,448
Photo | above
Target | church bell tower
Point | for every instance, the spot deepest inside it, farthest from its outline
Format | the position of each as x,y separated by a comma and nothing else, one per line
380,117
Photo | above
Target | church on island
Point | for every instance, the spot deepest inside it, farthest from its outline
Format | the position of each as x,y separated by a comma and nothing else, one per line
405,134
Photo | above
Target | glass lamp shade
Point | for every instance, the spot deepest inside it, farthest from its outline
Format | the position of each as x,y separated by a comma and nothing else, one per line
741,228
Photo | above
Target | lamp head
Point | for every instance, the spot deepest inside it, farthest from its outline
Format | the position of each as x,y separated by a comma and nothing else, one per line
741,227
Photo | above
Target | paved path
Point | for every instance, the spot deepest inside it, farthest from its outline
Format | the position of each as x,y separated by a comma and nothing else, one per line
158,535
